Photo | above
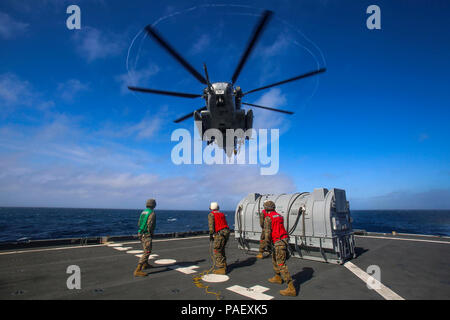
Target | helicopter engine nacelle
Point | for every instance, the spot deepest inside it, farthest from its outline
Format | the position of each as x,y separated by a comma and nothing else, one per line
203,118
249,120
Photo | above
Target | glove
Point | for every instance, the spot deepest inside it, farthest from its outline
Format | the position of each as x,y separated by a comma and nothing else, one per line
211,237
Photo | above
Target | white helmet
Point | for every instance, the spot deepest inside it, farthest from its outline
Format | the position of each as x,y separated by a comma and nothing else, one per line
214,206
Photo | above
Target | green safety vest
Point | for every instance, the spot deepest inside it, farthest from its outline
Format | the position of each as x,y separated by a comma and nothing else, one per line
143,220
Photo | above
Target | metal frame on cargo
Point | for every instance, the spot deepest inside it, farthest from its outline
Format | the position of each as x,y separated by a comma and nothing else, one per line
319,224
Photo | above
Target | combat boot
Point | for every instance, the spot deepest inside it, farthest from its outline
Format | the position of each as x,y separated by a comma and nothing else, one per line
276,279
220,271
138,272
146,265
260,255
289,291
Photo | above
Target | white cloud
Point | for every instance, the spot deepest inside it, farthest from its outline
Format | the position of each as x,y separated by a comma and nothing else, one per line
275,48
145,129
62,164
93,44
266,119
15,92
136,78
9,28
201,44
63,140
69,89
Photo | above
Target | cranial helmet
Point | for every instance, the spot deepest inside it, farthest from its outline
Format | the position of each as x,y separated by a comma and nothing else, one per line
214,206
151,203
269,205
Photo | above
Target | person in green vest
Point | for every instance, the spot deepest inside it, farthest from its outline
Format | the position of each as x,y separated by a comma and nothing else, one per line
146,224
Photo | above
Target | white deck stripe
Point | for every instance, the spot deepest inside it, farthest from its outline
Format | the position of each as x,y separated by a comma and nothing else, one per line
380,288
421,235
255,292
405,239
95,245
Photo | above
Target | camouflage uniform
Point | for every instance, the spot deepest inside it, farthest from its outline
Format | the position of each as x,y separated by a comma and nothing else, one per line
220,240
146,237
278,252
262,242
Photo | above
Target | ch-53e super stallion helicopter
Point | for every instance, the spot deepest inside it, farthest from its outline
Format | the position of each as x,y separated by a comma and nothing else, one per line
223,108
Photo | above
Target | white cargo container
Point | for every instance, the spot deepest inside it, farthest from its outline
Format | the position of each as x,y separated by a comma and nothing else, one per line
319,224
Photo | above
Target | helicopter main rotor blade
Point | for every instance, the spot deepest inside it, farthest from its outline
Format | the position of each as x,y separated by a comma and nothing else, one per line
251,44
151,31
305,75
167,93
188,115
271,109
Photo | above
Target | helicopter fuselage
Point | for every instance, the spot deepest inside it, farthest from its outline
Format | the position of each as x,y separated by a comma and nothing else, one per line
223,103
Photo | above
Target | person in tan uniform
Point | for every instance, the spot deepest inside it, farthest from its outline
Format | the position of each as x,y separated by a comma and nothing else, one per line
219,232
146,224
277,236
262,216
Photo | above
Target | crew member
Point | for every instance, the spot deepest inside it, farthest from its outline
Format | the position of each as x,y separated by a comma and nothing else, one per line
146,224
219,233
276,234
262,244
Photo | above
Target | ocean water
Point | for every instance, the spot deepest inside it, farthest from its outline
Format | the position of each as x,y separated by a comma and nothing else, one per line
54,223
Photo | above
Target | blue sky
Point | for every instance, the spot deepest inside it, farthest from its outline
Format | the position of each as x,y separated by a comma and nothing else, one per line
375,124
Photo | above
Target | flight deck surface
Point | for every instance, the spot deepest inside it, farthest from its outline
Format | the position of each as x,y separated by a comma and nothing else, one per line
411,267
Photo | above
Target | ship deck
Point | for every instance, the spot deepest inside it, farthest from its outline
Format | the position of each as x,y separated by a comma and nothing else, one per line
411,266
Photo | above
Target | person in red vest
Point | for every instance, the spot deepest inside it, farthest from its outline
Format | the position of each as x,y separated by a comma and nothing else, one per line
262,217
276,234
219,232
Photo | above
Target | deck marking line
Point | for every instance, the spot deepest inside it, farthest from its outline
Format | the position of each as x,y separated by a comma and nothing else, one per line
406,239
165,261
185,270
150,257
122,248
164,240
135,251
380,288
255,292
93,245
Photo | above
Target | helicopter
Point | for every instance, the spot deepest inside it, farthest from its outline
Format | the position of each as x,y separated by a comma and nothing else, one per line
223,100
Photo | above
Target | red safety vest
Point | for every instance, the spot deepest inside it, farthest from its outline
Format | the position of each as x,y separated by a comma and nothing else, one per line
278,230
264,213
219,221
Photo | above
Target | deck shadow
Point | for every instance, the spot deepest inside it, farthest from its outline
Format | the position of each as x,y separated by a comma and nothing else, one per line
360,251
303,276
241,263
165,268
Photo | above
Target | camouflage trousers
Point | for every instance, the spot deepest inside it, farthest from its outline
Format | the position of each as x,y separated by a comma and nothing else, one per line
262,242
279,260
220,240
146,241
